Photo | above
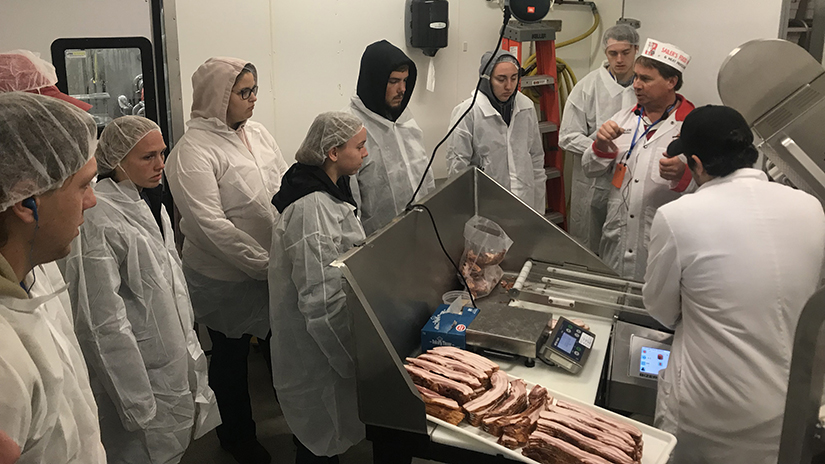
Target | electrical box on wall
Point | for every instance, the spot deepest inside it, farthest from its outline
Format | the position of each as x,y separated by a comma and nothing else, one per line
428,23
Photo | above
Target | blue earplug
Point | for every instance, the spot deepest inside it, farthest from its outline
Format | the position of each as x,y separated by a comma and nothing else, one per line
32,205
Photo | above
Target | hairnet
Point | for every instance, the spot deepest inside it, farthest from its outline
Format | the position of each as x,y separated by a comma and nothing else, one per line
43,142
621,33
328,130
118,139
22,70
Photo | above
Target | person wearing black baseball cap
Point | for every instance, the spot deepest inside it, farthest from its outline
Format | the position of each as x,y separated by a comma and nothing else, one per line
730,268
716,141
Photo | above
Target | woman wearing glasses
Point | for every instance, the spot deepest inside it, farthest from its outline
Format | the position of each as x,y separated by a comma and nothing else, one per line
223,174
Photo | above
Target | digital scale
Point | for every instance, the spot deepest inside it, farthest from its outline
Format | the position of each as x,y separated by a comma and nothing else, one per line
568,346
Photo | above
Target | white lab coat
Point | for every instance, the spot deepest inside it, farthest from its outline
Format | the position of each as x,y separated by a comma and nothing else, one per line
512,155
630,210
46,403
593,101
313,358
391,173
731,267
223,189
135,325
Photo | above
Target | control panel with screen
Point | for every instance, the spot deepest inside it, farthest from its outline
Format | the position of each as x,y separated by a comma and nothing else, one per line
567,346
652,361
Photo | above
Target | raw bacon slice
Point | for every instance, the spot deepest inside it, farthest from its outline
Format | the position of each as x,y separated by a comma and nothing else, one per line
588,444
479,407
441,385
441,407
446,372
456,366
551,450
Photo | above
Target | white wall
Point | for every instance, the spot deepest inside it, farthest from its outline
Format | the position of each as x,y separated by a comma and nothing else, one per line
315,74
35,24
312,60
708,30
238,28
308,53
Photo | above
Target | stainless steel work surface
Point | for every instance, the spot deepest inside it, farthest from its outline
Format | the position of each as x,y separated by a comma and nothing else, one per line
396,279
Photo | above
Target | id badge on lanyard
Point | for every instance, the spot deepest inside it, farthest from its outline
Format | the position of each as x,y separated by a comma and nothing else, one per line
621,166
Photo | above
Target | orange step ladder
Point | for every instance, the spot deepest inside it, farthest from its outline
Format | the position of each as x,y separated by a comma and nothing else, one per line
544,36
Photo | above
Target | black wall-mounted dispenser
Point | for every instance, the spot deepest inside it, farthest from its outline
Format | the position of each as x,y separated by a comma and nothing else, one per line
428,24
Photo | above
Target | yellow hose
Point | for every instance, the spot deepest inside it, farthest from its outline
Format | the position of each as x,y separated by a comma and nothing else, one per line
568,69
597,19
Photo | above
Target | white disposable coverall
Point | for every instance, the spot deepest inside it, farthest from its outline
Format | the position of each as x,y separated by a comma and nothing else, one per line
594,100
46,403
135,325
731,267
391,173
512,155
313,358
223,182
630,210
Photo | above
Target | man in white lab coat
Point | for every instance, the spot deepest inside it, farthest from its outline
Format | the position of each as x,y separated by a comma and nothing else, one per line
397,162
594,100
630,149
731,267
46,168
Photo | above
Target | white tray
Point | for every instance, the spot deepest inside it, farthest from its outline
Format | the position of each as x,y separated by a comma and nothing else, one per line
657,444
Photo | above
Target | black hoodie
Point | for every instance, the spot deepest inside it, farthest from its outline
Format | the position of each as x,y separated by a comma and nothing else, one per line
301,180
379,60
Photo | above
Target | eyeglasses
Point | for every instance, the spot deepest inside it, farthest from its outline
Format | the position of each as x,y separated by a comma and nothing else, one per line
247,92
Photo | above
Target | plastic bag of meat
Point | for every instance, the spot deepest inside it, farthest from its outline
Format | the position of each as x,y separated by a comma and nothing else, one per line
485,245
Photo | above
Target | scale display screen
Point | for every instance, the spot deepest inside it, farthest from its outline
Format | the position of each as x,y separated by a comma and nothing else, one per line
653,360
566,343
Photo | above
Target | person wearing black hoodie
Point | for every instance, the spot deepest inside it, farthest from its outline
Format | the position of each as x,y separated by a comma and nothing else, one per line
386,182
313,360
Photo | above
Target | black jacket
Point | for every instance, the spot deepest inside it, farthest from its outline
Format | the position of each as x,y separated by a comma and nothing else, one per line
301,180
379,60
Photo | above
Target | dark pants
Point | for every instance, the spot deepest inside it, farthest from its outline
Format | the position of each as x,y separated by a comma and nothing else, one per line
390,453
305,456
228,378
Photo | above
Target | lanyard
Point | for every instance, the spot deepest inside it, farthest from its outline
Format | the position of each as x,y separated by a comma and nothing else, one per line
638,123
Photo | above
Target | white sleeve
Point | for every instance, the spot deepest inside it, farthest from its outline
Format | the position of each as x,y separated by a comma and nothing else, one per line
597,164
537,156
18,381
663,279
309,242
103,329
574,134
460,144
198,198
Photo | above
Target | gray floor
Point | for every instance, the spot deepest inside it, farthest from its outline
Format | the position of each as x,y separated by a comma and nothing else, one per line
273,432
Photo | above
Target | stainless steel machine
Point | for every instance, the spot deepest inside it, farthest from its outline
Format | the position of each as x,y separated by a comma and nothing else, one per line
631,376
396,279
785,108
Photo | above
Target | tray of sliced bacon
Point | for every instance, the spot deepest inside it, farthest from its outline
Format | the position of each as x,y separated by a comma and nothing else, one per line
470,395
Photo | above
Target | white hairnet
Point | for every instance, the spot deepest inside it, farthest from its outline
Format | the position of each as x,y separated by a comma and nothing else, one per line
328,130
119,138
22,70
43,142
621,33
